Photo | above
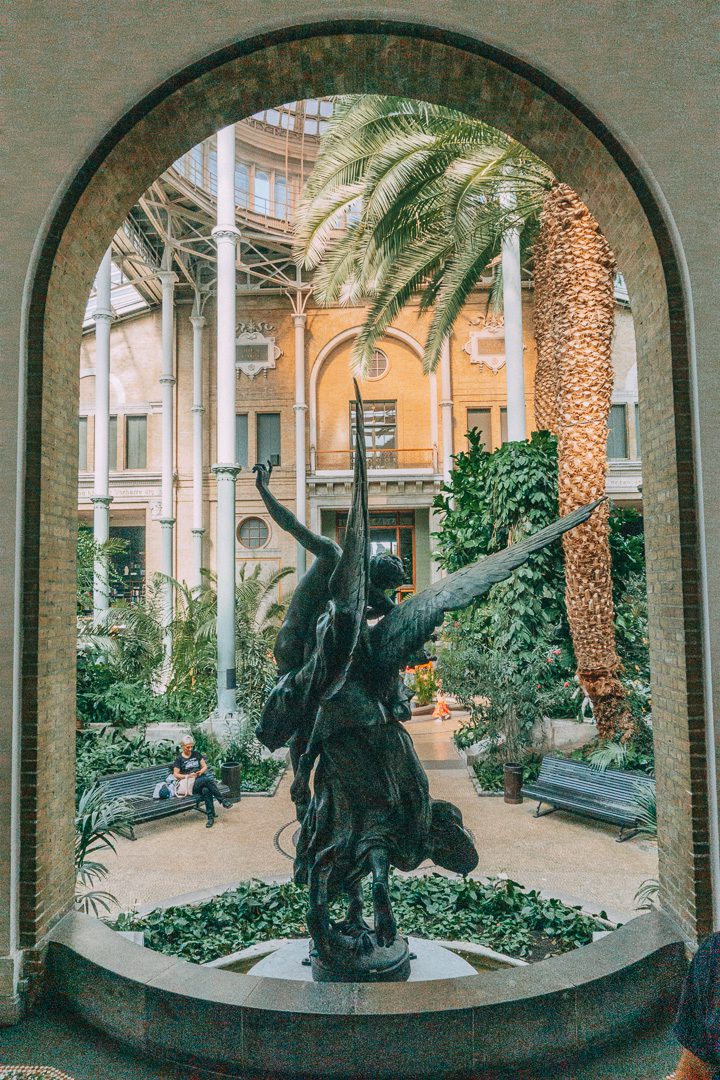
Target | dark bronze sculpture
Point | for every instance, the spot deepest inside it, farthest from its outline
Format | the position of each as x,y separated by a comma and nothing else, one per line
339,702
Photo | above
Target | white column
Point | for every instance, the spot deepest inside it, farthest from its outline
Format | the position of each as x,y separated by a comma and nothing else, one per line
512,315
226,469
167,386
101,497
198,531
300,408
446,405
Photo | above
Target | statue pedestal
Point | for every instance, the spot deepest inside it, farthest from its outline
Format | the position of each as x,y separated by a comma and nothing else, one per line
430,961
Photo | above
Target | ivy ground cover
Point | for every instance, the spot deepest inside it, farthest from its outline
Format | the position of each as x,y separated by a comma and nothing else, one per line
497,913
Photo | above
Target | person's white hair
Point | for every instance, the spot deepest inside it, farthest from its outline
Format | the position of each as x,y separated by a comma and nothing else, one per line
187,740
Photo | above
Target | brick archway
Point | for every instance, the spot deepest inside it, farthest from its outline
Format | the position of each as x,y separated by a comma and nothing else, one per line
232,85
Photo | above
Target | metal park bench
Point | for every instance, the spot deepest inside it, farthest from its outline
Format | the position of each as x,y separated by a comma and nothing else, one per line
610,795
136,788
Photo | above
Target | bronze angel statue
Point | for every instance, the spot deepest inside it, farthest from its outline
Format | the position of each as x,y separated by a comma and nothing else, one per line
340,704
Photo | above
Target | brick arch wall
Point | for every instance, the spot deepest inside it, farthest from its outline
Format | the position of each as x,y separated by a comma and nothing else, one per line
226,88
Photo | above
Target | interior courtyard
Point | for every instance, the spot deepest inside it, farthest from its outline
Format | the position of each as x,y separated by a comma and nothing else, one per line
165,335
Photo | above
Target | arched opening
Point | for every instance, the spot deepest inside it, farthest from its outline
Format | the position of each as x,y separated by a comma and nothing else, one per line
582,153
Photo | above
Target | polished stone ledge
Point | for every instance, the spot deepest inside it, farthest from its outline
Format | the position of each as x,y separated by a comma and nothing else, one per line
245,1026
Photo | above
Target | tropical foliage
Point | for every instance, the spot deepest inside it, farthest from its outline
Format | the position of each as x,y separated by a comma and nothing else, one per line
425,195
498,913
406,199
98,823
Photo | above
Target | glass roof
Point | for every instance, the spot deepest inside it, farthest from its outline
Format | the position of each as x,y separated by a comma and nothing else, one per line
124,298
310,115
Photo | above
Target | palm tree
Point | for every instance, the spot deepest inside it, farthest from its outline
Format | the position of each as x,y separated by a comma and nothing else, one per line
408,199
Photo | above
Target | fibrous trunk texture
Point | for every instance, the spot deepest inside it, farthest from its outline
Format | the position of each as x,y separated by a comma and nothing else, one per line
575,310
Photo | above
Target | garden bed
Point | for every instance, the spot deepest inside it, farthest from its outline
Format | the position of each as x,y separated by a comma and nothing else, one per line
498,913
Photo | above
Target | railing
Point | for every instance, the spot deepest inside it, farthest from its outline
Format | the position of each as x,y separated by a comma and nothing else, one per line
401,459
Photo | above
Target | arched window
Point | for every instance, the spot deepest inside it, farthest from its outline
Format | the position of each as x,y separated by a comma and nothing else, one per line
253,533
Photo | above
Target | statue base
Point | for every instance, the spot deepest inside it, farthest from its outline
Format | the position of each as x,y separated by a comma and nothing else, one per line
383,964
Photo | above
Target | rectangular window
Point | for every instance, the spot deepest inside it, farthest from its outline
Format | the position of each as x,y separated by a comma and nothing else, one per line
479,420
380,433
268,437
212,170
83,447
194,165
112,443
261,193
242,184
637,431
617,433
241,440
280,197
503,425
136,442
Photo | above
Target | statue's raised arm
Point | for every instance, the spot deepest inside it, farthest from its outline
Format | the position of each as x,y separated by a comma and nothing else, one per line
403,632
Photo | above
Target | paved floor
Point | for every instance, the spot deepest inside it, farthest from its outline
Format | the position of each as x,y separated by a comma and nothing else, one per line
56,1039
573,858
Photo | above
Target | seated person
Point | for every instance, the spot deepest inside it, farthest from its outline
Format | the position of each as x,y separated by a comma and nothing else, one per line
697,1027
190,765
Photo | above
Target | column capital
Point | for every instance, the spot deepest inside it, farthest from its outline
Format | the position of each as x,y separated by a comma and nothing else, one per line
198,409
101,500
300,407
198,321
446,404
198,532
225,232
167,277
103,315
299,318
225,470
167,522
168,379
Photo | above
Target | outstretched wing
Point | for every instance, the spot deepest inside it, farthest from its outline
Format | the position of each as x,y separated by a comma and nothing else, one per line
349,582
403,632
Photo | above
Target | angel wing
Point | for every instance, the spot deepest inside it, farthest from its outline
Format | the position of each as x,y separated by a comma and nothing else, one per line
402,633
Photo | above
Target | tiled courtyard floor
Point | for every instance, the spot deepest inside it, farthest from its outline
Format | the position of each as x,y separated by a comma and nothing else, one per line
563,855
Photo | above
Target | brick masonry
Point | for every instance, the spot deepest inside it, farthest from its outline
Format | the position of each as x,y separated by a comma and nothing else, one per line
583,155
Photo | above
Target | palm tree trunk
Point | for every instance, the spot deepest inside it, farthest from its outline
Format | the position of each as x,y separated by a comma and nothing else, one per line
575,298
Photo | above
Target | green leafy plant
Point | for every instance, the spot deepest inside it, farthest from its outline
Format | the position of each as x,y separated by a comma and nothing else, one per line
98,823
424,685
108,751
498,913
490,771
646,896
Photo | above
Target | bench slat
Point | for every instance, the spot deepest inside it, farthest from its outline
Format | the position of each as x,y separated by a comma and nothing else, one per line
610,795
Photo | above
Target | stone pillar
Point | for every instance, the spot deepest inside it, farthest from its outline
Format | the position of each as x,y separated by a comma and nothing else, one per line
101,497
198,530
512,314
446,405
300,408
226,469
167,385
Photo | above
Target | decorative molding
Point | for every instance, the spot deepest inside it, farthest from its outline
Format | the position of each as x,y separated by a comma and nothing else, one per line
491,328
260,338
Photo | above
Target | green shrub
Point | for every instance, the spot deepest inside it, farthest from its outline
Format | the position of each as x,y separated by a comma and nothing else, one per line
424,685
108,751
497,913
489,771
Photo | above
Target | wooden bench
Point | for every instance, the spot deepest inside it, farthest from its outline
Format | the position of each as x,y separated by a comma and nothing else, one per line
610,795
136,788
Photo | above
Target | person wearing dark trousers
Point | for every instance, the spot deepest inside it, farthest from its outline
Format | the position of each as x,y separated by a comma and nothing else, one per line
697,1027
191,765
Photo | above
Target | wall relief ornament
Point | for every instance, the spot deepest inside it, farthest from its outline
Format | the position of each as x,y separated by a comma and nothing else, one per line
255,348
482,343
